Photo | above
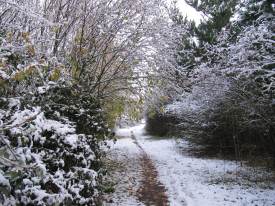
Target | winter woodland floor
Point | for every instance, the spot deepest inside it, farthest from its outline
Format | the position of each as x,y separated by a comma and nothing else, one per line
150,171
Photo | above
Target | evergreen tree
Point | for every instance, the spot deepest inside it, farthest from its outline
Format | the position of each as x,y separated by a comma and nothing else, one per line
217,13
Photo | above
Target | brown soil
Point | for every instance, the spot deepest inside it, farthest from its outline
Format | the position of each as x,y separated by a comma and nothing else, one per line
151,191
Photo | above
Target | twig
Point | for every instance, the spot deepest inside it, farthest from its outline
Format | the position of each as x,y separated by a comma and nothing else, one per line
8,162
20,124
12,126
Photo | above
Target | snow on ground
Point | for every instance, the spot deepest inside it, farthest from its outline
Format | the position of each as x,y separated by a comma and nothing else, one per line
123,157
197,181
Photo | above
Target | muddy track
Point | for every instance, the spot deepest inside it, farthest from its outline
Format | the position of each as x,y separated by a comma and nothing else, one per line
151,191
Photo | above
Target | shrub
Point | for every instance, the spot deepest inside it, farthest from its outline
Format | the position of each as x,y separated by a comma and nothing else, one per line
53,157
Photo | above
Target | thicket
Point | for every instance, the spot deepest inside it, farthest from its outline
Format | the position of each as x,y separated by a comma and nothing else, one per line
160,124
226,74
50,132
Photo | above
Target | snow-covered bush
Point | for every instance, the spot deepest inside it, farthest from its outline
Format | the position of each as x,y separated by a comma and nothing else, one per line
230,105
50,130
50,149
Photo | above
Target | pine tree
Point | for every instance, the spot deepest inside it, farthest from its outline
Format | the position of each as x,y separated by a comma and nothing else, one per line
218,14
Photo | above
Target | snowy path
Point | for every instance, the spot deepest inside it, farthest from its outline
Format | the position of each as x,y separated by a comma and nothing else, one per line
188,180
151,191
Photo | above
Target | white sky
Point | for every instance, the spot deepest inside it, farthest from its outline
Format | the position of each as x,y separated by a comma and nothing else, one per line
189,11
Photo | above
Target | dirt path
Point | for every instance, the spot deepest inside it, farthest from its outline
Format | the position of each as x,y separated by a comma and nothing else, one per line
140,167
133,175
151,191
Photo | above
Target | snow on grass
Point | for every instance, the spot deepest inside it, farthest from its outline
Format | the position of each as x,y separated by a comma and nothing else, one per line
125,170
127,132
126,145
197,181
124,132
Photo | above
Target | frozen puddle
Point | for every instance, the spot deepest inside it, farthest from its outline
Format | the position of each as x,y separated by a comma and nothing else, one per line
192,181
